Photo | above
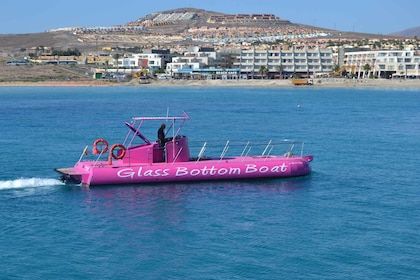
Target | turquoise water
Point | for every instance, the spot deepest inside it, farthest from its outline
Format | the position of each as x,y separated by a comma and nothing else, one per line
355,217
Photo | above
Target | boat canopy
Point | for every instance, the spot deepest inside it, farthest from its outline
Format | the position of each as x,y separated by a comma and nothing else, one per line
137,123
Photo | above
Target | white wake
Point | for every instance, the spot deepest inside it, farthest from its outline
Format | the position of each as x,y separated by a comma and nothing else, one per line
28,183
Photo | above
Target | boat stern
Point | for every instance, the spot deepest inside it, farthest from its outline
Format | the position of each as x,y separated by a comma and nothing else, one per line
72,176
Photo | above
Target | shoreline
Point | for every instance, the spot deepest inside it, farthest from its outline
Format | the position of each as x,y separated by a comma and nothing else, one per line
318,83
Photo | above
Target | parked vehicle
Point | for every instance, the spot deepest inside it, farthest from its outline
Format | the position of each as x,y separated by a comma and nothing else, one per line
299,82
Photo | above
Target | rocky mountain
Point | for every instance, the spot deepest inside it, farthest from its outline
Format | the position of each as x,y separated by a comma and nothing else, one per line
409,33
179,20
163,29
162,25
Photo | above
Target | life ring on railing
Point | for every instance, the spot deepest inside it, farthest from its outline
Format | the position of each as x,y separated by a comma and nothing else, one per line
120,151
101,150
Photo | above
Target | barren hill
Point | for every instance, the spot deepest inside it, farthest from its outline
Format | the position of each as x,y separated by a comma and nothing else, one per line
13,44
172,27
409,33
180,20
165,23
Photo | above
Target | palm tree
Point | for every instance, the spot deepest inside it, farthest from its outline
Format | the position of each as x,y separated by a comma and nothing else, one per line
116,56
280,69
367,68
263,71
106,65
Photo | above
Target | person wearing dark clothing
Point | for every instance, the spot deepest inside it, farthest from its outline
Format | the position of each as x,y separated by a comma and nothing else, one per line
161,136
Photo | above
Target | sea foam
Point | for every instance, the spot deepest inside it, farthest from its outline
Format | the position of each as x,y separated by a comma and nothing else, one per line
28,183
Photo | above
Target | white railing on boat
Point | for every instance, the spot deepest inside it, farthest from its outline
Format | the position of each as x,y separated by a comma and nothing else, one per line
221,149
224,149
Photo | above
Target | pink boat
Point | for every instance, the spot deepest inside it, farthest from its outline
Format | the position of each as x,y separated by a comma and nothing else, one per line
171,160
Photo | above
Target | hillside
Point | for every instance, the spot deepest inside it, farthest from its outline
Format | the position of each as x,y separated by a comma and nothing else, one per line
180,20
153,25
43,73
179,27
12,45
409,33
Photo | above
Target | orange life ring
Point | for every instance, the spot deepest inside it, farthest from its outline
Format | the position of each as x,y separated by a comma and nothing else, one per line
120,152
100,151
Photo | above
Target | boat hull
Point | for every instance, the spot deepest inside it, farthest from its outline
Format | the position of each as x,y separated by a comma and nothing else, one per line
103,173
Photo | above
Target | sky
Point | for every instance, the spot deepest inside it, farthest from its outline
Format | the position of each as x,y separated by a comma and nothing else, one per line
366,16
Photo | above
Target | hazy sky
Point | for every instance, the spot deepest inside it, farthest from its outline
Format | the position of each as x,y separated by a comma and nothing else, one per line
370,16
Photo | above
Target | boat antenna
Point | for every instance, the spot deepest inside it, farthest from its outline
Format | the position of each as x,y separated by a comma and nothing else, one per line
172,124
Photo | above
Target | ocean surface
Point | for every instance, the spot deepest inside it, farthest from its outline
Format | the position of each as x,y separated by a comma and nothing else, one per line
357,216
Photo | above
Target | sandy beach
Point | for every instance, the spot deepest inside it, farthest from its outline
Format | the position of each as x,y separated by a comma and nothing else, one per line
80,76
325,82
318,83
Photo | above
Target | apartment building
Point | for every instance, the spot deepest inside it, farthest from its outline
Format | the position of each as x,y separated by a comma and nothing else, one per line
150,59
277,62
192,60
383,63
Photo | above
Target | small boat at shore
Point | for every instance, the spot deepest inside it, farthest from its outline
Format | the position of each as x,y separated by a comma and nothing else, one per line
138,160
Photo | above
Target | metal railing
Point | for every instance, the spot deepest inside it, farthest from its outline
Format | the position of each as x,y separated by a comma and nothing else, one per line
222,149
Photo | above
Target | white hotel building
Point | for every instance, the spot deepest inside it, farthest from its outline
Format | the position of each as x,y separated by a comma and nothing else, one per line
304,62
384,63
150,59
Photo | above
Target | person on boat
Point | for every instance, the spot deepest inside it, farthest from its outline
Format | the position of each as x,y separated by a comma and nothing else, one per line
161,135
